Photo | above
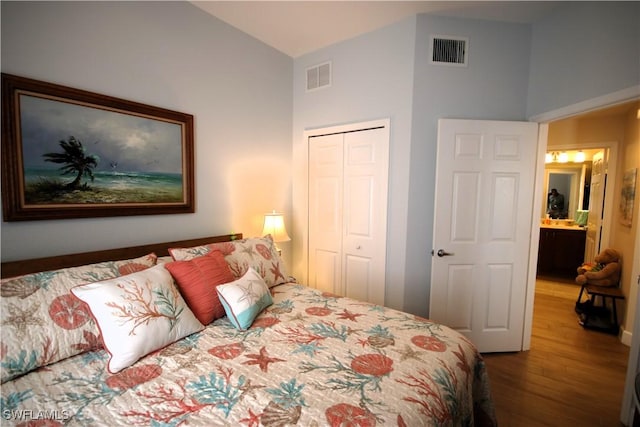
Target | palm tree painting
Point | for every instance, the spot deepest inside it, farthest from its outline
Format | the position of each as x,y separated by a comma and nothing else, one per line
77,155
74,161
70,153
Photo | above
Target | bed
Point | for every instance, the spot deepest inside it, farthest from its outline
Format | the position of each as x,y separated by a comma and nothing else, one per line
300,357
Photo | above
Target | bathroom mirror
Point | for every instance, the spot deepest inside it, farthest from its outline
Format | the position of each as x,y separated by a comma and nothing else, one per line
572,180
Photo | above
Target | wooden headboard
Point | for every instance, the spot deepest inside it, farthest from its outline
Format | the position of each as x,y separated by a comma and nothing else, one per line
16,268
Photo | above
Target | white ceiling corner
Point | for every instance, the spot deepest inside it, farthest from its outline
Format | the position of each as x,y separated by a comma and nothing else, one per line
299,27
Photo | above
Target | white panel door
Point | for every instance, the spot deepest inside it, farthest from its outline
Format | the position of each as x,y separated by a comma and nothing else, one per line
325,212
365,214
596,206
348,174
483,212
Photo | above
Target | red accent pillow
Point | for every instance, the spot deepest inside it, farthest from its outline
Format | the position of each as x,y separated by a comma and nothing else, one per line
197,280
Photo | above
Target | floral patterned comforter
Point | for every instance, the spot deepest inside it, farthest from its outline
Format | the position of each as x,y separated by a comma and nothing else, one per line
310,359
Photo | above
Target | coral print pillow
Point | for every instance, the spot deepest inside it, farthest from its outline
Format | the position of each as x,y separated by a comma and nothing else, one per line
138,314
258,253
42,322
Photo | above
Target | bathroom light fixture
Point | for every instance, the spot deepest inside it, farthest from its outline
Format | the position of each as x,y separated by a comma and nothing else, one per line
579,157
563,157
548,158
552,157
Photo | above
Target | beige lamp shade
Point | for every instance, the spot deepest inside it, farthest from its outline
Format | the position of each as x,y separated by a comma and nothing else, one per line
274,225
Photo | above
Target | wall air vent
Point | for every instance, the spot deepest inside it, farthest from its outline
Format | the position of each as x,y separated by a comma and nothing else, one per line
319,76
449,50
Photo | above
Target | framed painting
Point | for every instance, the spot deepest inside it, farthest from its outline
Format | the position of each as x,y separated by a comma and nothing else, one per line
70,153
628,197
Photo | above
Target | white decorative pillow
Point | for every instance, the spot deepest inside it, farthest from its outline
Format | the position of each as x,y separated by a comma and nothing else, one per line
244,299
258,253
137,314
41,322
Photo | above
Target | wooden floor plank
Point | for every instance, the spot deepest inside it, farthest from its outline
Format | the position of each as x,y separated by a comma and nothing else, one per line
570,377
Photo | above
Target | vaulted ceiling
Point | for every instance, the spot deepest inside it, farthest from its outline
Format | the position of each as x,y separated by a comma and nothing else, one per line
299,27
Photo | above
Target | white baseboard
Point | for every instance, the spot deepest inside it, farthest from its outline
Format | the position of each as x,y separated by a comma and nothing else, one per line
625,338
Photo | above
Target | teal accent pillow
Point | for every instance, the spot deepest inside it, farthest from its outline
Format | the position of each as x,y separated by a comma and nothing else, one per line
244,298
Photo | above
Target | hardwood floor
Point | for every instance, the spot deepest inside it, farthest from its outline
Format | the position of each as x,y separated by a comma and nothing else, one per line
570,377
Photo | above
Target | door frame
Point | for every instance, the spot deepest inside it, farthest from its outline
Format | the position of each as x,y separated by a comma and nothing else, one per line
633,367
543,120
304,210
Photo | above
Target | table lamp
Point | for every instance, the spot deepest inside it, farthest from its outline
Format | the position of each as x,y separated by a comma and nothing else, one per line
274,225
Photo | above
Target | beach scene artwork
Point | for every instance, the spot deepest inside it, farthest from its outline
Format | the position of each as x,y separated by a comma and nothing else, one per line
78,154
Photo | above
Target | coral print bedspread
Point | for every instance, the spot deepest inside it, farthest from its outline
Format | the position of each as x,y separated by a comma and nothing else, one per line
309,359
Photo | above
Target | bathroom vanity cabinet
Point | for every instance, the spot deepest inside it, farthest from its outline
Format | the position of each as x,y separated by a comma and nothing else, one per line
561,250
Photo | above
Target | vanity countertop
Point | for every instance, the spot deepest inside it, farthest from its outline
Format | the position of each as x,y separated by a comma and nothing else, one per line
563,227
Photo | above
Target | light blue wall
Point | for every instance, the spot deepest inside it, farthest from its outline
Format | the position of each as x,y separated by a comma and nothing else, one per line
372,79
492,86
386,73
582,51
251,108
514,72
171,55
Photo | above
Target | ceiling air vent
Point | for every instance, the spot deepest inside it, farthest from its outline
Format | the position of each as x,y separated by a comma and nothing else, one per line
448,50
319,76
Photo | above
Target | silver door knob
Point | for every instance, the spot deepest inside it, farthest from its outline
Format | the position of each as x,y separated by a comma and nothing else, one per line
442,253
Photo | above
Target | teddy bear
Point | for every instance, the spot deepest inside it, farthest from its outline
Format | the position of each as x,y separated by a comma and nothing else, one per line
604,272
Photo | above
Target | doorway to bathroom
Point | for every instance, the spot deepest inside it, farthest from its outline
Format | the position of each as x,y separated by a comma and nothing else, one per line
573,230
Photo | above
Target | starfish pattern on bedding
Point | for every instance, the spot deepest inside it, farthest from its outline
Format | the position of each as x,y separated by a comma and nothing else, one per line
347,315
409,353
253,420
262,360
298,316
249,389
248,250
21,319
